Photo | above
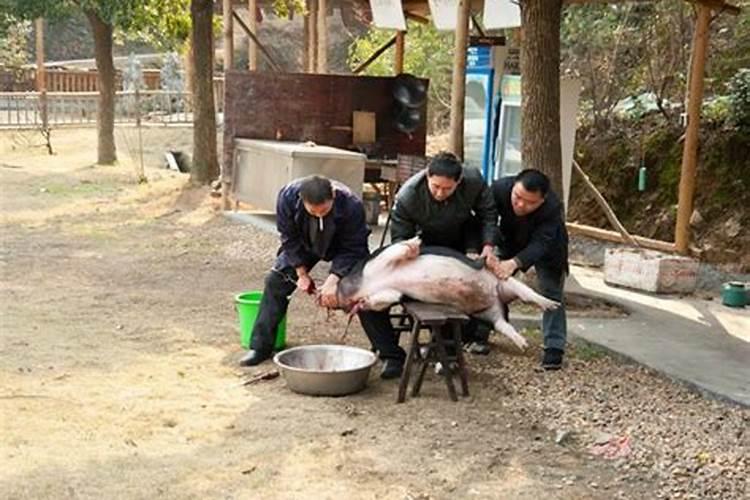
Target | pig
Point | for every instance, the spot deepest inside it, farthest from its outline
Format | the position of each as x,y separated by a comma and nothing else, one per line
436,275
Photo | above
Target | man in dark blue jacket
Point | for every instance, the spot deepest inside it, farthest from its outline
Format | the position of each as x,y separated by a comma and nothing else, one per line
532,233
317,219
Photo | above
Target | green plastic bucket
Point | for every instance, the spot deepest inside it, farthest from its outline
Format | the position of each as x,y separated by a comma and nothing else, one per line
248,305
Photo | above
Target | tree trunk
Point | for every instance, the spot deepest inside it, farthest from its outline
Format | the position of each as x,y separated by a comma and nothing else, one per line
105,120
540,69
205,167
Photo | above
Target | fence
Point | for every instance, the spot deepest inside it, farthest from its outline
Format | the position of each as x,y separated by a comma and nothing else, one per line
23,109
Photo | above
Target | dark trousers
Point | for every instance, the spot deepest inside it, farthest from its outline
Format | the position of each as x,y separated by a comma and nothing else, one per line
554,323
279,286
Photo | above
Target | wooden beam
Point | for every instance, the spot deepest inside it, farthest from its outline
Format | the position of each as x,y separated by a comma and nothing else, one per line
228,30
252,24
458,88
312,42
416,18
41,77
398,58
306,40
690,147
323,36
608,212
266,54
603,234
374,55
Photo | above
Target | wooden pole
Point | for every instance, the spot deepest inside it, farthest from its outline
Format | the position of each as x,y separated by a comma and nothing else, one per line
228,35
690,149
364,64
322,36
41,79
603,234
398,60
312,42
263,50
306,39
611,217
458,89
252,48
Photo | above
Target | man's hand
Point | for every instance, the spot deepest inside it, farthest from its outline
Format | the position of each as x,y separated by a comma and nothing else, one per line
504,269
488,252
304,281
328,292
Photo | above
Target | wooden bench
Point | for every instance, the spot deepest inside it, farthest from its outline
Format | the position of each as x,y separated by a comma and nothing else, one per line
444,326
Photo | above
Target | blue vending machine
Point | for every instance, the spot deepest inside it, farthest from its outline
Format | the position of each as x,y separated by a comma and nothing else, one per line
478,109
507,151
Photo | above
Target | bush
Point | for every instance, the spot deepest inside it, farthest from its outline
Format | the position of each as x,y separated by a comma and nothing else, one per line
739,99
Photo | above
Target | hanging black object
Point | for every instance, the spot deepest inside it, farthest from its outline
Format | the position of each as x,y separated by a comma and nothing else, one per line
409,95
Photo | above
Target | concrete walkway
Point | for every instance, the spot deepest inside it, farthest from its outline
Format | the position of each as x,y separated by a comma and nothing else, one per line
694,341
698,342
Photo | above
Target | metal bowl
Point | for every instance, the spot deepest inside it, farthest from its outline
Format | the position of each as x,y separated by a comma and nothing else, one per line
325,370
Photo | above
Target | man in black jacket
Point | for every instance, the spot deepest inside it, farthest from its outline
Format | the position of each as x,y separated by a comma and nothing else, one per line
532,233
446,205
317,219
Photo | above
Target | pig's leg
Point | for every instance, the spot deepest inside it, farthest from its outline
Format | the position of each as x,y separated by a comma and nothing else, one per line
511,288
496,316
381,300
392,255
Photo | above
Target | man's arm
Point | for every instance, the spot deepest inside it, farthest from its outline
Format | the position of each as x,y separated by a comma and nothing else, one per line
486,210
542,240
351,246
403,226
291,239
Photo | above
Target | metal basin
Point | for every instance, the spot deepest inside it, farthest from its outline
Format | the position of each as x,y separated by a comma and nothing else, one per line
325,370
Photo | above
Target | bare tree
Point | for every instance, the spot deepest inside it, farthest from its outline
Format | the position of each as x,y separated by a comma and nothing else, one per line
205,166
540,67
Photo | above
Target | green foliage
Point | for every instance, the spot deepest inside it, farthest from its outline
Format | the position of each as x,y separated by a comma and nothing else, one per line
739,99
716,111
13,53
428,54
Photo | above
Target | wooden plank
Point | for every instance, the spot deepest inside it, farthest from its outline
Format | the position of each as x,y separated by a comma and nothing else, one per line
363,127
434,314
603,234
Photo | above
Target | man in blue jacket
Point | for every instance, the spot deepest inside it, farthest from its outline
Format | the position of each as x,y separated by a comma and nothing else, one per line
318,219
532,233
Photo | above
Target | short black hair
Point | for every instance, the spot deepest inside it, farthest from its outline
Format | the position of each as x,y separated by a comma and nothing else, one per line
315,189
445,164
533,180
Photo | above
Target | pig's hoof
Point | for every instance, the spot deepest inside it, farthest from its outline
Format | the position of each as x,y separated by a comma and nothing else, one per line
549,305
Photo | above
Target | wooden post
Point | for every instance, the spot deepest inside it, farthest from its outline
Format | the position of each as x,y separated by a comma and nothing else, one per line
306,40
41,79
398,60
312,41
458,89
228,35
322,36
252,23
690,149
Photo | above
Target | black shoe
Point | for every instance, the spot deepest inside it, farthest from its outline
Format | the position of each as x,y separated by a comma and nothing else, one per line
253,357
392,368
553,359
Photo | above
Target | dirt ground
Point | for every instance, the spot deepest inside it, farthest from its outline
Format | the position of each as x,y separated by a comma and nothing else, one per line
118,375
